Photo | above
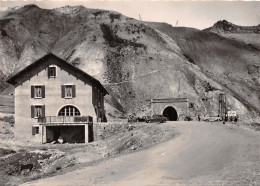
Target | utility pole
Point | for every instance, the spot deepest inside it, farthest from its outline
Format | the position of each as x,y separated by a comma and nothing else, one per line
222,106
176,23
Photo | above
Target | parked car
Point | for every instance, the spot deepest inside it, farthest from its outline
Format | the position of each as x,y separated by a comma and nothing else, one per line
132,118
156,118
141,119
211,118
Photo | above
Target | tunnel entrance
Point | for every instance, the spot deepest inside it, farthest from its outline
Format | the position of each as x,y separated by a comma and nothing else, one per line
170,113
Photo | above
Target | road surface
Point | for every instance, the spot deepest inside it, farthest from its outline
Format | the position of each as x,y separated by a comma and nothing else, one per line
202,154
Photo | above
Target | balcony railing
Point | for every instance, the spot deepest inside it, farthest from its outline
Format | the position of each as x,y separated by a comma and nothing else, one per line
65,119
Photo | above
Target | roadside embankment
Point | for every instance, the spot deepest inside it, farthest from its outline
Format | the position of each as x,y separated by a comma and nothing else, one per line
54,159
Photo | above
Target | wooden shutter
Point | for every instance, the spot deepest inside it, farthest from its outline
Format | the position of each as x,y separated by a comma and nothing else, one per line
63,91
32,111
49,72
73,91
33,131
43,91
32,91
43,111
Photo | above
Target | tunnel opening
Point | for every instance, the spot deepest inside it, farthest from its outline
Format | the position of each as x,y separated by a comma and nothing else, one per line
170,113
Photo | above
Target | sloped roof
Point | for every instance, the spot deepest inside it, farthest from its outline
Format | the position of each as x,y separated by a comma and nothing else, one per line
42,60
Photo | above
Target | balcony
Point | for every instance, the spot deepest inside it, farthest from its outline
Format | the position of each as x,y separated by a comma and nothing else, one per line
65,120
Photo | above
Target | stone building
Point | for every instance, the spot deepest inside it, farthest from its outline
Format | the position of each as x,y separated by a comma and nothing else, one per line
54,99
173,108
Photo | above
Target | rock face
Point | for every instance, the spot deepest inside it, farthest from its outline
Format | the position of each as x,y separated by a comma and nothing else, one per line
233,64
136,61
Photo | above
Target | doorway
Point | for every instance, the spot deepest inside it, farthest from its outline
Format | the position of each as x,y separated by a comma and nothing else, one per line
70,134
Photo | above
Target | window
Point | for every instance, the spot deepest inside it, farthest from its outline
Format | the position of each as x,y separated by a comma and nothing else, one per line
35,130
37,111
51,71
69,110
38,91
68,91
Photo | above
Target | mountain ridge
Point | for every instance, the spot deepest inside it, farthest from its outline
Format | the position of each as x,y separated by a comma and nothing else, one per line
135,60
245,34
226,26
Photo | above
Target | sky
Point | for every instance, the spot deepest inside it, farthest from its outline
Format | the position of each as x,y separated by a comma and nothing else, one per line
196,14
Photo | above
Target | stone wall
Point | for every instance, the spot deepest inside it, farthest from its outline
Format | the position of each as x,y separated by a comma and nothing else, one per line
181,107
105,130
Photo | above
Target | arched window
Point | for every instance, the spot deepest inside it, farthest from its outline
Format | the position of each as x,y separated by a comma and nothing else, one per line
69,110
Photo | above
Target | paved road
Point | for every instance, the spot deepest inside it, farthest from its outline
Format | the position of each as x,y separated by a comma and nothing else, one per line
200,150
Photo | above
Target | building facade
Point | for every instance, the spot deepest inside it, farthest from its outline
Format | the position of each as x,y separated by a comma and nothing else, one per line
175,109
54,99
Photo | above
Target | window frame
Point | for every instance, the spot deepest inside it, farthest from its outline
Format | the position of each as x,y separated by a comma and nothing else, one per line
35,111
52,73
66,91
36,107
35,91
35,130
68,109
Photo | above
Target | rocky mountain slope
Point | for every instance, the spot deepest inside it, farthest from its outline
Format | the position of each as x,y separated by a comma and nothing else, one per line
245,34
136,60
233,64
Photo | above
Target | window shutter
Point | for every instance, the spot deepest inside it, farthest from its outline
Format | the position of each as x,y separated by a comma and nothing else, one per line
32,91
43,111
73,91
43,91
63,91
32,111
49,72
33,131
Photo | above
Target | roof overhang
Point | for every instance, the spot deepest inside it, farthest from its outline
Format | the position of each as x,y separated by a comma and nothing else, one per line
13,79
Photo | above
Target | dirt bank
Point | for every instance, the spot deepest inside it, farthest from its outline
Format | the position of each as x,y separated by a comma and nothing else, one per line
55,159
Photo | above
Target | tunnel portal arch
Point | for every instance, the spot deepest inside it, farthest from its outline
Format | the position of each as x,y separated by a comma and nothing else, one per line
170,113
